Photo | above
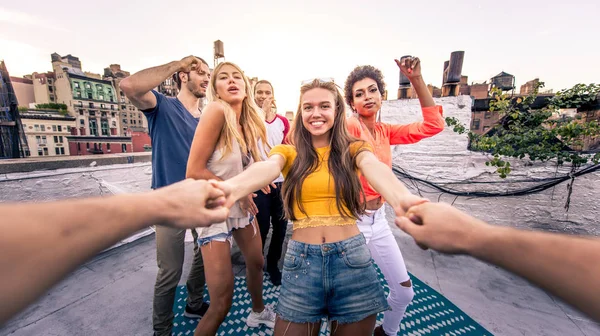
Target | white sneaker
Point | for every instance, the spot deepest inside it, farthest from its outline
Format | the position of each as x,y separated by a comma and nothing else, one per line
266,317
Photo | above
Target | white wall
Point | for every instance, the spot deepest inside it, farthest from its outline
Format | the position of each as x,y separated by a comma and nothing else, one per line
445,158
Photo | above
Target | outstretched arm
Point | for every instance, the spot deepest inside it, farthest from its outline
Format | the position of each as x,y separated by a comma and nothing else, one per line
65,234
383,180
566,266
255,177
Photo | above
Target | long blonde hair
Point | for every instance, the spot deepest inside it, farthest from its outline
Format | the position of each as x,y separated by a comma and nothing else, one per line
252,120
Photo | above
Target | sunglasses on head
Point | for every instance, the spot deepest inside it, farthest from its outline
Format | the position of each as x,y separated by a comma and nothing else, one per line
322,80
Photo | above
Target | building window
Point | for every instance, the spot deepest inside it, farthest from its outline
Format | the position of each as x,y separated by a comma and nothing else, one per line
123,148
113,114
44,141
101,97
78,94
87,145
485,128
112,107
40,153
76,84
55,139
62,151
53,128
475,124
82,122
45,150
88,86
38,139
104,125
124,121
92,113
59,128
93,127
488,114
108,146
43,128
114,123
37,128
104,114
68,129
79,146
100,146
60,139
102,105
27,153
56,151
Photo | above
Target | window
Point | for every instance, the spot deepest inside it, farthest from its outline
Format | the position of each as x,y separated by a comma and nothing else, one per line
80,112
43,128
104,114
68,129
112,107
56,151
59,128
44,140
107,146
124,121
79,146
88,86
76,84
55,139
104,125
488,114
78,94
91,105
87,145
114,123
123,148
113,114
100,146
45,150
82,122
60,139
92,113
38,139
485,128
62,151
27,153
102,105
101,97
54,128
90,95
93,127
37,128
475,125
40,153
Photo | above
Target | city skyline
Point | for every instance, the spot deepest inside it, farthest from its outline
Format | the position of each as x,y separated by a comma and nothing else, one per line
286,43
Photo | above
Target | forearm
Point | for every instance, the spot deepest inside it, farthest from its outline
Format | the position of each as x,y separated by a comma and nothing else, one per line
563,265
202,174
144,81
257,176
383,180
422,92
41,243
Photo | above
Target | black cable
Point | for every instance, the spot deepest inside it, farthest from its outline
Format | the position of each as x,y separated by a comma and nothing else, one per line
549,183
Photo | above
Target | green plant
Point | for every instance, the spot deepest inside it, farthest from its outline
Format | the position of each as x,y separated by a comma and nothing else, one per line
537,134
51,106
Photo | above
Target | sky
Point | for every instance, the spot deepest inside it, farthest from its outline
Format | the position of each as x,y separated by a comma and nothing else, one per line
287,42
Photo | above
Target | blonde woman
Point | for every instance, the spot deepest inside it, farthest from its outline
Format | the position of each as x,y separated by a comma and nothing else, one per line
229,137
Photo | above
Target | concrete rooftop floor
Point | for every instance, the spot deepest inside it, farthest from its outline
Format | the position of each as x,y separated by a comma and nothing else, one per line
112,295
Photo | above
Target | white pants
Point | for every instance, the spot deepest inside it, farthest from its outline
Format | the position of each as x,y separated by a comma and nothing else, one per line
387,255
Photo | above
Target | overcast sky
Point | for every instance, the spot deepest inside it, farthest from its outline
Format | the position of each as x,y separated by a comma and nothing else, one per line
288,41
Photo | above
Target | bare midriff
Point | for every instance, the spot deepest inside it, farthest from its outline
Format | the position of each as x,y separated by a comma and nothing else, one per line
325,234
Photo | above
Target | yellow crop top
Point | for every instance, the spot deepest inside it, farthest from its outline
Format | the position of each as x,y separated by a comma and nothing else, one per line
318,189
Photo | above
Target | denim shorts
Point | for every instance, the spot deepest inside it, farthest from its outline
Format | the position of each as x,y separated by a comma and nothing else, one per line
336,281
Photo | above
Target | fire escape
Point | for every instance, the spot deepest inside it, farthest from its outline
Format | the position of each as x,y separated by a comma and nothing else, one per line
13,142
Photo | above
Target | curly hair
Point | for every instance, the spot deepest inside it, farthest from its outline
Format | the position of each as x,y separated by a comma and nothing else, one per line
359,73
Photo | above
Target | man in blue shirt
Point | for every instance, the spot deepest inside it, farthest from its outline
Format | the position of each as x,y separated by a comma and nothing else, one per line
172,123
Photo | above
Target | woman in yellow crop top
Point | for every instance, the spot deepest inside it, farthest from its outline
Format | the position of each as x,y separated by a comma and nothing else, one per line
327,270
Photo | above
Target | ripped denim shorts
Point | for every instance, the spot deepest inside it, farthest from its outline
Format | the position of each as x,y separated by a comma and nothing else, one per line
223,231
336,281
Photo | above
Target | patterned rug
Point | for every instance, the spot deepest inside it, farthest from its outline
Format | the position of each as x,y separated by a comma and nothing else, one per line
430,313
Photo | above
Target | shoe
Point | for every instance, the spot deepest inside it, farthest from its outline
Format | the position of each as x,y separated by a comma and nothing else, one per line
266,317
195,313
379,331
275,275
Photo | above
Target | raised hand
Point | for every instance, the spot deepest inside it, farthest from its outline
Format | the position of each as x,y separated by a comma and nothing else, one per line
409,66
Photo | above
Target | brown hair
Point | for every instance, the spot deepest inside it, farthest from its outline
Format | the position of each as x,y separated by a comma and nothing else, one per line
342,165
